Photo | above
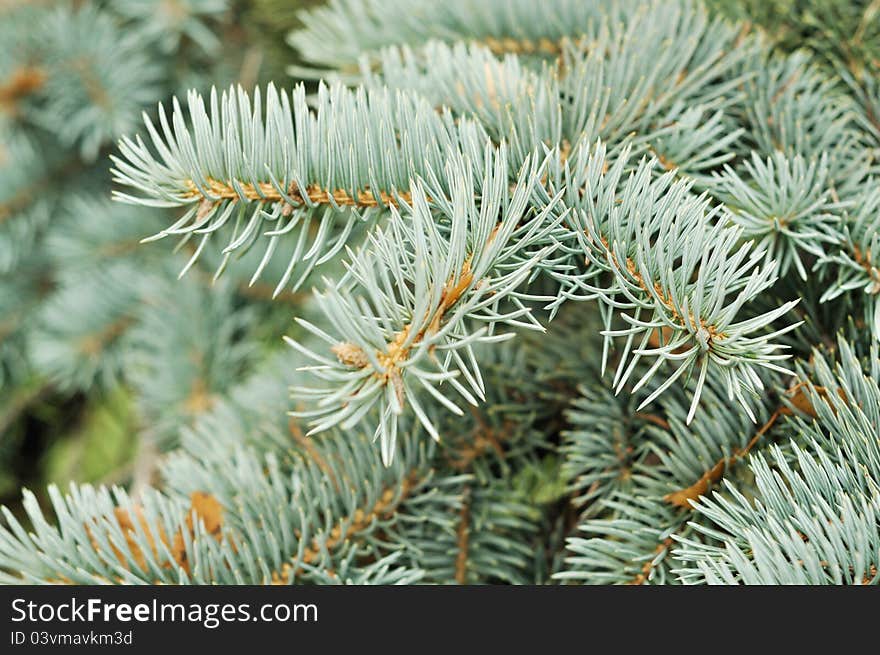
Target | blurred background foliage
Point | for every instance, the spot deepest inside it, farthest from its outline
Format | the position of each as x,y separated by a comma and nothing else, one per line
843,35
85,310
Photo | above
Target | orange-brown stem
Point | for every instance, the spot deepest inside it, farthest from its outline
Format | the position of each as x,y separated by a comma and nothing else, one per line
463,538
266,192
797,397
23,82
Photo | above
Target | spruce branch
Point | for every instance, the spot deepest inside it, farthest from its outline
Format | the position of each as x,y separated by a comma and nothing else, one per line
211,525
167,23
796,401
360,521
478,249
292,174
118,539
97,78
676,272
427,292
361,26
189,345
814,517
790,105
81,340
359,29
626,534
620,83
785,203
600,446
24,210
853,266
633,546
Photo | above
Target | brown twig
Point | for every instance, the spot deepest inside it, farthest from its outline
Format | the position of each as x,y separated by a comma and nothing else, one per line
23,82
463,537
648,566
509,45
267,192
399,348
797,397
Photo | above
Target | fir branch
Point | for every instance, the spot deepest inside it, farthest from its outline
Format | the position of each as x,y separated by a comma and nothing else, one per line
80,340
167,23
187,347
600,446
629,526
460,210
